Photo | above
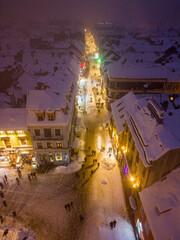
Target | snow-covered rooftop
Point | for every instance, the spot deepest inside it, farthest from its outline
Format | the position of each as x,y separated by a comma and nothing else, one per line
118,70
54,67
161,203
13,119
141,52
154,130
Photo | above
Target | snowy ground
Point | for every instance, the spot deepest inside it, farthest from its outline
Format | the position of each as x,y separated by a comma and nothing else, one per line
96,192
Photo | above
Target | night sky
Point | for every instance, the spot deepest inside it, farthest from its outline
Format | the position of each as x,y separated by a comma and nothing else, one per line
123,11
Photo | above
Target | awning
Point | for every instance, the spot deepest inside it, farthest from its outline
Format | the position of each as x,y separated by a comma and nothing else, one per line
133,203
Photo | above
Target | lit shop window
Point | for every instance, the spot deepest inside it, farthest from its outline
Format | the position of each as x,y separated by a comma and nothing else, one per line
7,142
58,157
51,159
23,141
49,144
59,145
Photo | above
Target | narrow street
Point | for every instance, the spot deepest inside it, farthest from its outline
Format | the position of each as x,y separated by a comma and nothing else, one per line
102,184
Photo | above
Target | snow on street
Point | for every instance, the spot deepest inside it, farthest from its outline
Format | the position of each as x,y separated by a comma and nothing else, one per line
71,202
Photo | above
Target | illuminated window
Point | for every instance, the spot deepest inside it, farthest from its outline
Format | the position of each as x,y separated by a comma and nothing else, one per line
51,159
37,132
23,141
58,157
47,132
19,132
49,144
39,145
40,116
50,116
2,132
57,132
10,132
7,142
59,145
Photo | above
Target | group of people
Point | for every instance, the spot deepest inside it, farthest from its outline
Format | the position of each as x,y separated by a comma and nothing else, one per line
68,206
112,224
4,201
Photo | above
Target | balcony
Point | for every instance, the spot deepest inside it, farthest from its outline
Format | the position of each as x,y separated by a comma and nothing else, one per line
39,138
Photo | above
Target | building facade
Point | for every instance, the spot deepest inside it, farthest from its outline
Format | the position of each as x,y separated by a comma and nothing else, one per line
145,139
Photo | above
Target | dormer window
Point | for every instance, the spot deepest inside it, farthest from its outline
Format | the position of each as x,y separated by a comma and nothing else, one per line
40,116
50,116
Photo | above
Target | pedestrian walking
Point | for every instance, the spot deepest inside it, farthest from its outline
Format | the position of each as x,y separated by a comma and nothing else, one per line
5,232
111,225
85,159
68,206
82,166
84,174
98,164
92,172
1,185
109,155
81,218
1,194
65,206
1,219
29,177
17,180
14,214
89,148
114,223
71,204
4,203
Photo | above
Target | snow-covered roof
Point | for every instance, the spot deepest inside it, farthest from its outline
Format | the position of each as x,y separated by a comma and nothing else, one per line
144,52
154,131
118,70
13,119
43,100
161,203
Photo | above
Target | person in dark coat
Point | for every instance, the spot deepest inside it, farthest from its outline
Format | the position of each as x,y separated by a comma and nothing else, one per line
4,203
5,232
111,225
17,180
1,194
81,218
1,185
114,223
1,219
5,177
14,214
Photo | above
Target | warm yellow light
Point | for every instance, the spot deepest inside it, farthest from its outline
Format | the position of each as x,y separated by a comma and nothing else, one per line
171,98
10,132
122,148
132,179
18,159
135,185
20,132
2,132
